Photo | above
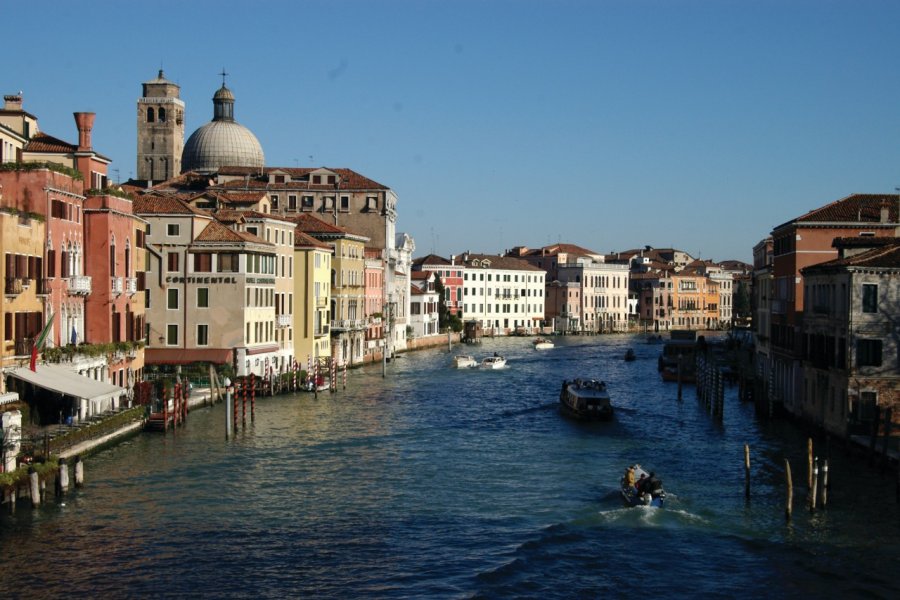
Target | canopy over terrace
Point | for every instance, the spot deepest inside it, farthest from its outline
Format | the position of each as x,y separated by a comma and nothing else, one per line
90,396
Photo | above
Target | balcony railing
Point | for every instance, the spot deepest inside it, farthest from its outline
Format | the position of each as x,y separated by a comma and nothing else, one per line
80,285
14,286
321,302
374,320
282,321
43,286
116,285
321,331
131,286
23,346
348,324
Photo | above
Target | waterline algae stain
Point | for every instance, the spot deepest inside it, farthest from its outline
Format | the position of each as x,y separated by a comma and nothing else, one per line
441,482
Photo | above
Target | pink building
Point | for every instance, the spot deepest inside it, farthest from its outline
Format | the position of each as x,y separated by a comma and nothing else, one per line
374,302
451,274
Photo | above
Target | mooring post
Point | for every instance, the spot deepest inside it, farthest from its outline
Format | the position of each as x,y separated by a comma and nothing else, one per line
34,487
747,471
252,397
679,375
789,501
228,408
244,401
815,484
809,463
825,483
63,477
79,472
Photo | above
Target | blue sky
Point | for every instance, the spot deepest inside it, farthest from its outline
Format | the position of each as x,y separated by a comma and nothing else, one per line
699,125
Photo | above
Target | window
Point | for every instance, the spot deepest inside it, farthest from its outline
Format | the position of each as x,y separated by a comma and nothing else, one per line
869,298
172,261
317,179
274,200
203,262
162,114
345,203
203,335
292,202
202,297
172,335
371,203
228,263
307,202
868,353
172,299
172,229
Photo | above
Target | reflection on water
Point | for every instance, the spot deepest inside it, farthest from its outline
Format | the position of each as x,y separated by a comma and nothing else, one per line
443,482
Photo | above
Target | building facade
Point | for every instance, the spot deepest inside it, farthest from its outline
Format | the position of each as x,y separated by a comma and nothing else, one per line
504,294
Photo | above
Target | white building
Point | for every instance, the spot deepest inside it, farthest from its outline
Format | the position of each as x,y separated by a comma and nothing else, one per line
423,311
504,294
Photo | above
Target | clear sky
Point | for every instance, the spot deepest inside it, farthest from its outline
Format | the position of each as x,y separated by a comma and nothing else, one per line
694,124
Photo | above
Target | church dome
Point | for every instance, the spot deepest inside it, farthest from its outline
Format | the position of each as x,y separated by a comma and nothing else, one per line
223,142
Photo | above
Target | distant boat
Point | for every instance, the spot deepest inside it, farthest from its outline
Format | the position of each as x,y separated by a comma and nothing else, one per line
493,362
542,344
678,353
630,355
464,361
585,400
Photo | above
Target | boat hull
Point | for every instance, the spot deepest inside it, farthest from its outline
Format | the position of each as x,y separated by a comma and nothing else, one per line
585,401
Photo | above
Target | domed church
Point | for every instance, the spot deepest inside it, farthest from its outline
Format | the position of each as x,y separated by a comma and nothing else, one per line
223,142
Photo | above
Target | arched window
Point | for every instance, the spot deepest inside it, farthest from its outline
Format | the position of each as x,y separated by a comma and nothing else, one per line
150,115
127,258
112,256
162,114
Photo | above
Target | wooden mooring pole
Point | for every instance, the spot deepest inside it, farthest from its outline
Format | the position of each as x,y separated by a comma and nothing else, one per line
747,471
789,500
809,464
815,485
79,472
34,488
825,483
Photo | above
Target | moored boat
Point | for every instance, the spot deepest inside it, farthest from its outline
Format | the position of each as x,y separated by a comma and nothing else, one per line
493,362
640,488
585,400
677,358
464,361
542,344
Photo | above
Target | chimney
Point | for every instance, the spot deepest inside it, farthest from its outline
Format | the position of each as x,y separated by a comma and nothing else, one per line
13,102
452,259
85,123
885,212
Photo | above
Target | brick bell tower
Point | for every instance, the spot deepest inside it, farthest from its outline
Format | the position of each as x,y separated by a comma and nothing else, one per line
160,130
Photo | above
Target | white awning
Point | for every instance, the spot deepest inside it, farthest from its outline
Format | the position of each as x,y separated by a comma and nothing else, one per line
65,381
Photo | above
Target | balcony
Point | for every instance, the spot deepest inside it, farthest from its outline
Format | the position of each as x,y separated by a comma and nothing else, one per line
321,302
348,325
131,286
23,346
116,285
79,285
321,331
43,286
282,321
375,321
14,286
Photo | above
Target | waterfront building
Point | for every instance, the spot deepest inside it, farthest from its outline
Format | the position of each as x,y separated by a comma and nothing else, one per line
694,300
451,274
348,322
16,127
588,294
503,294
848,344
423,313
375,304
160,130
114,310
399,263
803,242
312,290
655,296
763,288
210,289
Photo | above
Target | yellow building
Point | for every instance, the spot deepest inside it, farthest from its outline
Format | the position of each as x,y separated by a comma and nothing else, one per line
312,289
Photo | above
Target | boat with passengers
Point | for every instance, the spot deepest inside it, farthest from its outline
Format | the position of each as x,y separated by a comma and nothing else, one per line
585,400
640,488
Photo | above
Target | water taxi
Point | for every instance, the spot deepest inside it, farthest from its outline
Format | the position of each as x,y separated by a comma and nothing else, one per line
585,400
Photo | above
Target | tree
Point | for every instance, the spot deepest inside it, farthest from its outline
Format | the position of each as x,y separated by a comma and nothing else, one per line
443,312
741,300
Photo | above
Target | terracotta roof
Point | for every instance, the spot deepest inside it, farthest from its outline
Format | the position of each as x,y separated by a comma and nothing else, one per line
217,232
856,208
303,240
151,204
349,179
500,262
41,142
885,257
862,242
431,259
424,275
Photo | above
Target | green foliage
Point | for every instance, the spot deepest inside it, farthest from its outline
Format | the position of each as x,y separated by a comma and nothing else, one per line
110,191
742,300
117,421
12,479
455,323
34,166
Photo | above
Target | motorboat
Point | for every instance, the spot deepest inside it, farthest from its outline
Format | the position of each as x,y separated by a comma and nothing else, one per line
493,362
464,361
677,358
630,355
585,400
646,491
542,344
321,384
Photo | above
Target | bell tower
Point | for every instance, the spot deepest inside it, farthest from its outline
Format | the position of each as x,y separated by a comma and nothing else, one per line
160,130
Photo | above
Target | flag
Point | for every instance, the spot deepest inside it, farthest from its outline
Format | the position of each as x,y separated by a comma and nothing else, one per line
39,343
74,336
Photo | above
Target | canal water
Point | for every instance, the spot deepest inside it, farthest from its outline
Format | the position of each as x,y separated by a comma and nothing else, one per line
440,483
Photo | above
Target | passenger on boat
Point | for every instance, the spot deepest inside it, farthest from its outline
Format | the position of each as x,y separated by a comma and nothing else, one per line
641,483
629,477
652,484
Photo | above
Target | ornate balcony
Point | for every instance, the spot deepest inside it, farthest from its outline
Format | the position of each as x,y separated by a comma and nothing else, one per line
116,285
79,285
321,302
131,286
282,321
14,286
348,325
321,331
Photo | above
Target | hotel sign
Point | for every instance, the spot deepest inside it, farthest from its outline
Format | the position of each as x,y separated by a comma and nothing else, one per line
201,280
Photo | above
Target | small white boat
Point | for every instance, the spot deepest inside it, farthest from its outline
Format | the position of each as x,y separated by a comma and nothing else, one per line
542,344
640,488
464,361
493,362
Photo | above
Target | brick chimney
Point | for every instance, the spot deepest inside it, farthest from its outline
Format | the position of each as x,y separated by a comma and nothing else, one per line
12,102
85,123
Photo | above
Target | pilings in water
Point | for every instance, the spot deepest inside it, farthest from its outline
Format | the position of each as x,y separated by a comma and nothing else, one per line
710,382
62,479
747,471
79,472
789,500
35,487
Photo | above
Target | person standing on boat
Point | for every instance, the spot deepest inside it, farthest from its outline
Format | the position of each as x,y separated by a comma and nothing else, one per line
629,477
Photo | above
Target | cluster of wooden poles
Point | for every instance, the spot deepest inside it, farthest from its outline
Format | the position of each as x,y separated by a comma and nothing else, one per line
37,487
814,483
710,386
